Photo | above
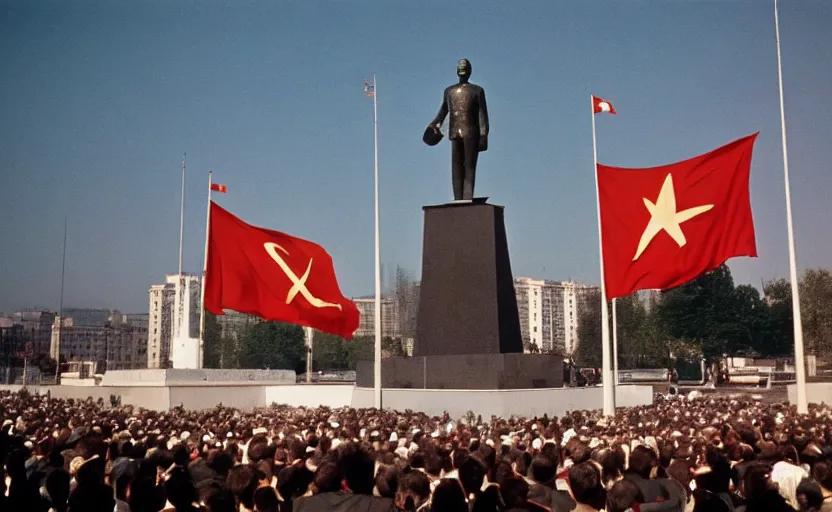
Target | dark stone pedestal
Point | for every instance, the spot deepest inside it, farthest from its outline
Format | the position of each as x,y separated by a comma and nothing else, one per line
467,303
468,329
473,371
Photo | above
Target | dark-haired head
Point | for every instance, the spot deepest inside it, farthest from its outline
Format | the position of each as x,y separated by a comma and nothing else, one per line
585,485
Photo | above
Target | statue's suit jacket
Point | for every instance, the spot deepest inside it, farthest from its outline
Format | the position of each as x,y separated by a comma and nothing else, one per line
469,113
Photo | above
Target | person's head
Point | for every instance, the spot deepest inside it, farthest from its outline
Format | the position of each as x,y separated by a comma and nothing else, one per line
585,485
471,475
757,481
642,460
57,486
463,70
265,500
515,492
221,500
809,495
242,482
387,481
413,491
623,495
822,473
679,470
327,478
357,466
180,490
449,497
544,470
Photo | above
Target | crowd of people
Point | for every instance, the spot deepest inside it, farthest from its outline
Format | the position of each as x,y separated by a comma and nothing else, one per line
680,454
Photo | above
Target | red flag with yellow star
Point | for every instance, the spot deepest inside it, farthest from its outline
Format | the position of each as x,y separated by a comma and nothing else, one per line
663,226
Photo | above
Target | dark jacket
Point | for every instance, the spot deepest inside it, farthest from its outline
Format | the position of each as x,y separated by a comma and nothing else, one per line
469,113
342,502
558,501
652,490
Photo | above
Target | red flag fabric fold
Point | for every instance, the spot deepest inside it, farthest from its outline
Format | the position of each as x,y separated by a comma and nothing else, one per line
273,275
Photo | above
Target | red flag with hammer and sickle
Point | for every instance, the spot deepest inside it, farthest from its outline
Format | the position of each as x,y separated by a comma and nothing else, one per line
274,276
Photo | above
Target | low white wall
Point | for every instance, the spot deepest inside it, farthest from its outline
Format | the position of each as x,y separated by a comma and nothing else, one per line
504,402
816,393
203,397
205,377
311,395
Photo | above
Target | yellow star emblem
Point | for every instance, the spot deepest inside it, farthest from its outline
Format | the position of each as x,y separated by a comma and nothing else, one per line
664,217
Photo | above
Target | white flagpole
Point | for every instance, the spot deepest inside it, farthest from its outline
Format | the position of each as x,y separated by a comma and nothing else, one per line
615,341
204,275
377,319
799,363
182,217
607,378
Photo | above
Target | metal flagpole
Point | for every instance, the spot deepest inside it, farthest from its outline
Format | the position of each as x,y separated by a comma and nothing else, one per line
615,341
60,312
607,378
204,273
799,363
377,319
182,217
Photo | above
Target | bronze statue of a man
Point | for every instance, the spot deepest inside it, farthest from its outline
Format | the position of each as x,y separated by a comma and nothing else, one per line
468,131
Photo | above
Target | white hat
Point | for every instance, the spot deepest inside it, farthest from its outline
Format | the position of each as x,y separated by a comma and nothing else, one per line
569,434
401,452
336,443
334,424
259,430
394,437
537,444
374,433
489,442
185,435
206,438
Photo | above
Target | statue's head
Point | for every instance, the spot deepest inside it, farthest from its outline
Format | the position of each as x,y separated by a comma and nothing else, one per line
463,70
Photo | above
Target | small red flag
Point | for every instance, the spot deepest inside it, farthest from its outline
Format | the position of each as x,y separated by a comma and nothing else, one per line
663,226
274,276
219,188
599,105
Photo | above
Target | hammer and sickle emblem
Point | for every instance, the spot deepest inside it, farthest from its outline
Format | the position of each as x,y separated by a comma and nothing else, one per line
298,283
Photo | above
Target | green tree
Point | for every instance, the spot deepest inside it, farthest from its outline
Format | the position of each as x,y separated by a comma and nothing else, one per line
360,348
212,342
704,311
815,311
778,296
588,350
329,352
274,345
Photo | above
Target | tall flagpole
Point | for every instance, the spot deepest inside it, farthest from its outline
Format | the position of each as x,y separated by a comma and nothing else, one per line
60,312
182,217
615,341
204,275
377,319
799,363
607,378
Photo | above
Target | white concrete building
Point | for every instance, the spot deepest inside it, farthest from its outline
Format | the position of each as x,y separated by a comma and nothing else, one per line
119,346
390,324
173,323
548,312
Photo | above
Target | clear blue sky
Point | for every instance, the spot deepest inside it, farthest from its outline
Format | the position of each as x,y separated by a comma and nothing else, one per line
98,101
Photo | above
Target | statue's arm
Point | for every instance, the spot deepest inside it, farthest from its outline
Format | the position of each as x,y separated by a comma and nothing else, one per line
443,111
483,114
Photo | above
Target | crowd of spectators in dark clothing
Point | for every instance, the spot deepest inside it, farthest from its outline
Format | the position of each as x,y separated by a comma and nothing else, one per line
680,454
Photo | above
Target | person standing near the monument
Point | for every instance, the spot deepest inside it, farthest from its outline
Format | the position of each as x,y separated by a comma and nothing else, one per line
468,132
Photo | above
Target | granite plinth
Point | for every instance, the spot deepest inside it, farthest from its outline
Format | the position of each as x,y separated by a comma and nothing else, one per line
470,371
467,303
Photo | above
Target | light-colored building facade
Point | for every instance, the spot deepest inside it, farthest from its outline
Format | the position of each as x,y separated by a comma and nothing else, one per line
549,312
173,323
37,330
119,346
390,321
